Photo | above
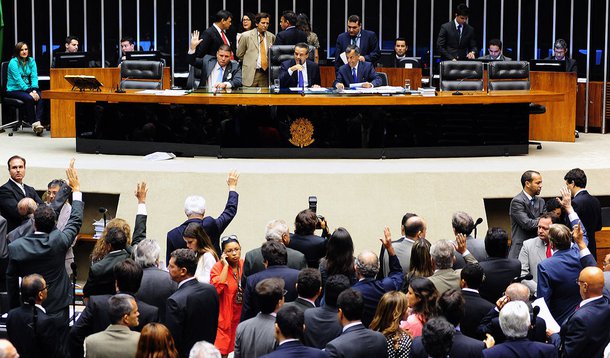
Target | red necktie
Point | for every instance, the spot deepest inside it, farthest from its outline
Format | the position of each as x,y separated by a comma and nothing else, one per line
549,253
224,39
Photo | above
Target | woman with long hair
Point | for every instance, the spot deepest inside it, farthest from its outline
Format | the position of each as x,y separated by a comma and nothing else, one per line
246,24
312,39
226,277
422,296
392,309
339,259
102,248
156,342
198,241
421,261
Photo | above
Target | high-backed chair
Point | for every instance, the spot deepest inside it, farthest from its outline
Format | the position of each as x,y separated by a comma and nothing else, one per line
14,103
384,78
508,75
461,76
281,53
192,81
141,74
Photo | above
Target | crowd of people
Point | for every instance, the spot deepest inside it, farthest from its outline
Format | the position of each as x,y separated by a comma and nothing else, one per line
300,294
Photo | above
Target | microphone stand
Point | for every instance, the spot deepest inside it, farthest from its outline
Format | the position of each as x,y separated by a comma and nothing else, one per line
457,88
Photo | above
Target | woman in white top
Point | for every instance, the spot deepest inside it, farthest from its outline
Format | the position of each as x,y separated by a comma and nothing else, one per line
198,241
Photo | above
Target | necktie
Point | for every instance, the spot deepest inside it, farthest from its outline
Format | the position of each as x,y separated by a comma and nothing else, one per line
549,253
460,31
263,51
354,40
354,75
224,39
219,78
532,202
301,81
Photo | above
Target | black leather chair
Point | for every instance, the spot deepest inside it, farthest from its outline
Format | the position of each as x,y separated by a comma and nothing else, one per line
508,75
14,103
141,74
384,78
461,76
280,53
192,81
605,216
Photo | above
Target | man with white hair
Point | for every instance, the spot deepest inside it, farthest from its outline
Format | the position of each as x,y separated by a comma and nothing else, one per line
203,349
515,322
194,208
443,258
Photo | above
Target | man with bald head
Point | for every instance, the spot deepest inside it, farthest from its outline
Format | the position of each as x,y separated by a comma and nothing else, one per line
7,349
367,267
26,208
412,228
586,332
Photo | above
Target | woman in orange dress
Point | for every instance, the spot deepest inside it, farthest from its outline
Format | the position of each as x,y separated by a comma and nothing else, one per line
226,277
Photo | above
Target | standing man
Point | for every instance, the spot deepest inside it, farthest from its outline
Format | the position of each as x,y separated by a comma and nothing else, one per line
289,35
13,191
356,71
456,38
365,40
299,72
525,208
253,51
495,51
127,45
560,53
586,206
412,228
216,35
218,72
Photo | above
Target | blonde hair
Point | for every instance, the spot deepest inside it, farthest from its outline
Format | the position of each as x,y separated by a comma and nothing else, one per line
390,311
102,248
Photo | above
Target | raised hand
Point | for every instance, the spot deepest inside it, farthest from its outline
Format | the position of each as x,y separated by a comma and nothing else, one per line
195,40
232,179
141,191
460,243
72,176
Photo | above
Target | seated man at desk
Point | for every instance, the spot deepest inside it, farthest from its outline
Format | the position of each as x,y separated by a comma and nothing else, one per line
127,45
218,72
495,51
300,72
399,54
560,53
356,71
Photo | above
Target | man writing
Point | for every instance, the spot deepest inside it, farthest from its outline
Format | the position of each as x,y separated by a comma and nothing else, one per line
356,71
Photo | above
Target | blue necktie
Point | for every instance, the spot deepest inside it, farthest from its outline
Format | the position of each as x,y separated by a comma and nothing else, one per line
301,81
460,31
219,79
354,75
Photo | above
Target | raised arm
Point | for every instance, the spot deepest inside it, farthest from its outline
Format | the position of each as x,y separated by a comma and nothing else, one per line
139,231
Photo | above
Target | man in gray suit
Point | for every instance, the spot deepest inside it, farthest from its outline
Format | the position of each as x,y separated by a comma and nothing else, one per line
412,228
256,336
525,208
443,258
217,73
462,223
536,250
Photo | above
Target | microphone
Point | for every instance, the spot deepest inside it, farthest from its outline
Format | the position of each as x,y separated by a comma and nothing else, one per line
102,210
479,220
118,87
457,88
523,278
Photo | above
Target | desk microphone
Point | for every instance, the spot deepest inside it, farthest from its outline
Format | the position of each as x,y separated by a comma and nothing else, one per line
457,88
118,88
479,220
103,210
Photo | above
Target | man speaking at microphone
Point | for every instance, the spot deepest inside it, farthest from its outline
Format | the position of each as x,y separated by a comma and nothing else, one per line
300,72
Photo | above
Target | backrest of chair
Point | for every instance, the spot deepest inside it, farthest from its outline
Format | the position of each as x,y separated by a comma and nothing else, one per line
508,75
3,77
194,77
461,75
141,74
281,53
384,78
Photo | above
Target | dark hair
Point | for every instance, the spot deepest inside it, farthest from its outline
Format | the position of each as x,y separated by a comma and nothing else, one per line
340,253
116,238
303,23
552,204
70,38
306,47
224,47
335,284
274,253
462,223
351,304
550,215
351,48
128,39
560,236
8,162
451,305
222,15
55,182
128,275
44,219
425,290
204,243
437,337
496,242
400,39
306,220
527,176
577,177
495,42
561,43
473,275
354,18
268,293
227,240
290,320
412,227
185,258
405,218
309,282
31,286
261,15
420,264
17,50
290,17
250,16
119,305
462,10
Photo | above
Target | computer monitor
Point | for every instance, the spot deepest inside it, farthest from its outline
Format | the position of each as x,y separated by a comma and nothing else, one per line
71,60
548,65
143,55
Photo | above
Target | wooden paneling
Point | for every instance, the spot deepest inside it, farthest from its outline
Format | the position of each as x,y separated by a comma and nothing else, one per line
396,76
602,243
596,105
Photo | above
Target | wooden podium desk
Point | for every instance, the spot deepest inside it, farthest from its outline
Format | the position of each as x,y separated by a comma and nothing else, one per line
62,111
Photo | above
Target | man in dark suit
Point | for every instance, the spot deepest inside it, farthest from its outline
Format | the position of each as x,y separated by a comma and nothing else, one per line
399,54
586,206
304,239
13,191
462,223
33,339
275,258
288,332
451,306
475,306
515,322
192,311
321,323
560,53
51,244
95,318
500,270
365,40
356,71
289,35
300,71
194,208
494,48
586,331
356,341
216,35
218,72
456,39
525,208
309,288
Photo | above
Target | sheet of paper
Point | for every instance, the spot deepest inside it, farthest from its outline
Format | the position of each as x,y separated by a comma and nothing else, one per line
545,314
356,85
343,57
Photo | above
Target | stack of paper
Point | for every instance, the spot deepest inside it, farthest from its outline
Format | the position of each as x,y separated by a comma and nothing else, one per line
98,226
427,91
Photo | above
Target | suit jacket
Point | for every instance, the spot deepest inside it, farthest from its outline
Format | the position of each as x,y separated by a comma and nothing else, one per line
101,277
364,73
369,47
248,52
532,253
24,259
475,308
231,74
192,315
321,326
155,289
501,273
521,348
255,336
290,36
249,308
253,262
213,227
571,65
312,246
590,213
295,349
446,279
491,324
523,221
286,81
211,41
114,342
20,332
358,342
476,248
586,331
462,347
301,304
451,45
10,194
500,58
402,247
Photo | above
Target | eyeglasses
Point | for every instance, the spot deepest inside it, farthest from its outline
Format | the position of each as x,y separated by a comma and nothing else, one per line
237,249
579,282
44,288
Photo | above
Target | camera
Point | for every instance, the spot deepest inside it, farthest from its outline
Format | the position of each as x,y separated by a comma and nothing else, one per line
313,206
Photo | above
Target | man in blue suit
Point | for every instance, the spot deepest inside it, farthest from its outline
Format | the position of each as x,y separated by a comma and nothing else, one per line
290,34
300,72
363,39
289,326
217,72
356,71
